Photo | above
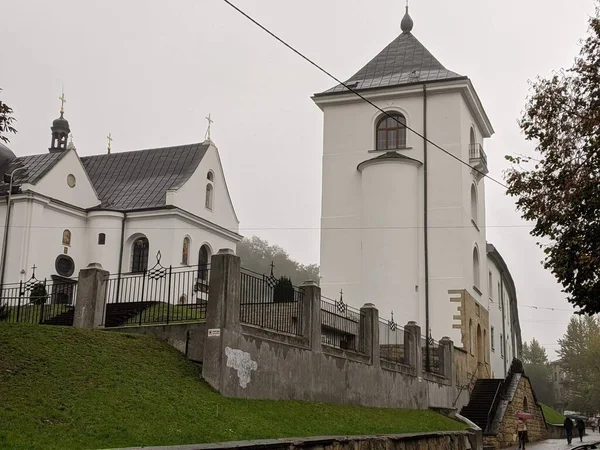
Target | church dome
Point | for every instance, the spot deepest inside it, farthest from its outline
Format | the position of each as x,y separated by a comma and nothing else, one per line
60,124
6,154
407,23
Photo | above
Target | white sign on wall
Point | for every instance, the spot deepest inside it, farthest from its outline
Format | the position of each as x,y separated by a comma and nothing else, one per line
214,332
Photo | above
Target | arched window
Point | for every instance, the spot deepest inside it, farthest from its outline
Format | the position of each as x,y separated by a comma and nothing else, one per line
209,197
139,255
185,251
203,262
479,344
101,239
474,209
485,345
476,267
471,346
210,176
391,132
66,238
472,136
525,404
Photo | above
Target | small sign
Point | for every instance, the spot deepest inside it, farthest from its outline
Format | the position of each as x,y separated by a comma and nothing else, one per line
214,332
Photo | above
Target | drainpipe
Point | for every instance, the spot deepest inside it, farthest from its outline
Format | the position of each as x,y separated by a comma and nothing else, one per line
7,224
425,221
503,348
121,255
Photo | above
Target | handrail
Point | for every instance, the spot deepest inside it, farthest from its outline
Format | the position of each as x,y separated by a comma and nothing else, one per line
497,398
462,387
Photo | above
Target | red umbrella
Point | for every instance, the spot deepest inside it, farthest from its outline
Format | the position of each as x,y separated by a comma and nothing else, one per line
524,415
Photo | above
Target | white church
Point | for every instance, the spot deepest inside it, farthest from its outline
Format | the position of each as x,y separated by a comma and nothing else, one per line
403,223
115,209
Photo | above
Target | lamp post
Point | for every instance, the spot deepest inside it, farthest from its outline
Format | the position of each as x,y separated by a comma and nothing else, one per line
7,179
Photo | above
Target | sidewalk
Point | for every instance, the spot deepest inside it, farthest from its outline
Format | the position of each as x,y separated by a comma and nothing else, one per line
560,444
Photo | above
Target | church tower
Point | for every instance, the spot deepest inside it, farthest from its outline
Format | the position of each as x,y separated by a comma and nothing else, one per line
403,223
60,130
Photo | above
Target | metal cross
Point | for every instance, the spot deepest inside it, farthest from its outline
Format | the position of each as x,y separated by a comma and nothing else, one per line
62,102
210,122
33,270
341,294
110,139
272,267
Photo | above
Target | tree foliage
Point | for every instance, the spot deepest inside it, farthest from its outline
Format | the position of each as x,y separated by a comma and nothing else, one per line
559,190
39,295
283,291
6,121
580,359
256,254
537,368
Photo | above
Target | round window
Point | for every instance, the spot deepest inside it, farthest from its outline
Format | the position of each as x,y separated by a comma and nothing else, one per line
71,181
64,265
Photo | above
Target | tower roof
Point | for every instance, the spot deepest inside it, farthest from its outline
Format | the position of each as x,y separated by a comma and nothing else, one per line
404,61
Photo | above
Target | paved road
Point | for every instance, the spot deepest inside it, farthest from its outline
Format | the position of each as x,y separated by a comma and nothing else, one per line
560,444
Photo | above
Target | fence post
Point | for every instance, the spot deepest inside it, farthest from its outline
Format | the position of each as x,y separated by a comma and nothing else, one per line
311,314
169,293
412,346
369,332
91,295
222,313
447,358
43,304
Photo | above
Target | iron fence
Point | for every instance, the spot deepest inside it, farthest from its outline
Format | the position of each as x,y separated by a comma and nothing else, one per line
391,341
341,325
46,302
271,303
157,295
476,152
431,352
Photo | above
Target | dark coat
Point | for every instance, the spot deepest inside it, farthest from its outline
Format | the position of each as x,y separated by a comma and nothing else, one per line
568,424
580,424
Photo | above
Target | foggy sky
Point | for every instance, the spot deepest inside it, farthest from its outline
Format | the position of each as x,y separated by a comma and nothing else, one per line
149,71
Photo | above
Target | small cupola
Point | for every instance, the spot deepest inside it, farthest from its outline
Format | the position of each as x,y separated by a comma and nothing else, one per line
60,130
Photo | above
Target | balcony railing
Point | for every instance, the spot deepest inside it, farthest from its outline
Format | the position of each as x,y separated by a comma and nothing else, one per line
477,157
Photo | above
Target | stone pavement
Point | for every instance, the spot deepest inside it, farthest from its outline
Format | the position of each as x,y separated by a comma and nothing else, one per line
561,444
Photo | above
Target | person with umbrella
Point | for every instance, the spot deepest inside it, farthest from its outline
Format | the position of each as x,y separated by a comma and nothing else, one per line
580,428
522,417
568,424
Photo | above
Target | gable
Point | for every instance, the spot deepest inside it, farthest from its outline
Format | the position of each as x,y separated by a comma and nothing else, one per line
68,182
191,196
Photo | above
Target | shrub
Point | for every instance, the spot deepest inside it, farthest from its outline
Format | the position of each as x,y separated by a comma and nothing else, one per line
38,294
3,313
284,291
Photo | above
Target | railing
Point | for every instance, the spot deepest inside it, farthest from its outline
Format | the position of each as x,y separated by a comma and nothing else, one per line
270,303
391,341
39,301
476,153
158,295
430,352
495,403
341,325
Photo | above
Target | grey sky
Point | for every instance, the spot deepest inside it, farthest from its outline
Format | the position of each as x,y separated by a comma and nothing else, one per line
149,71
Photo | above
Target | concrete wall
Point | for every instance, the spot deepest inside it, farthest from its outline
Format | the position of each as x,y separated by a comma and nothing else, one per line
250,362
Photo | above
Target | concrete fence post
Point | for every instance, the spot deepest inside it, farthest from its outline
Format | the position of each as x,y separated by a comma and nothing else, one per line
311,314
91,296
222,312
412,346
447,358
369,332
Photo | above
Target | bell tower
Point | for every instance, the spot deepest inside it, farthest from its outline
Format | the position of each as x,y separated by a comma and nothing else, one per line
60,130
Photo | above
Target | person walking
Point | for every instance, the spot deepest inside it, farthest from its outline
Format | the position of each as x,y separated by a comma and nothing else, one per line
521,432
568,424
580,429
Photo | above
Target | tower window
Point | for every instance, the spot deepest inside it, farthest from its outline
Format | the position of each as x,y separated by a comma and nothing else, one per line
101,239
474,209
391,132
139,256
185,253
209,196
203,263
476,280
210,176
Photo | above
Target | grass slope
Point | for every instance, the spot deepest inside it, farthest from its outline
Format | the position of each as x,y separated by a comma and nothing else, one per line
552,416
65,388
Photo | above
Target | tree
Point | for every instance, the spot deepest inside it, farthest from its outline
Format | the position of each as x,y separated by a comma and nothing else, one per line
580,359
6,121
559,190
537,368
256,254
283,291
38,294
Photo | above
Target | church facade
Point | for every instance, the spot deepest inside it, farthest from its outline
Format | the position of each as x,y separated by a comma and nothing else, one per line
115,209
403,205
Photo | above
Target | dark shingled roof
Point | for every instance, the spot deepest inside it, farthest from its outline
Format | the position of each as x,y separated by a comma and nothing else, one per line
123,181
404,61
140,179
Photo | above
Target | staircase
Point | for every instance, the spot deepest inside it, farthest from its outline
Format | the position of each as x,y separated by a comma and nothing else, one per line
62,319
118,314
482,400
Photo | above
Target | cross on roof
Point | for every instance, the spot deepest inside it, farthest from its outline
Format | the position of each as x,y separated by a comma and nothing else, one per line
210,122
33,270
110,139
62,102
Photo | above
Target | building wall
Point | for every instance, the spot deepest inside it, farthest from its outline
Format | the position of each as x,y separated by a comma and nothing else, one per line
346,262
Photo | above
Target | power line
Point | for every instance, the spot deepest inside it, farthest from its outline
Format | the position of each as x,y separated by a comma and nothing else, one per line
355,92
547,307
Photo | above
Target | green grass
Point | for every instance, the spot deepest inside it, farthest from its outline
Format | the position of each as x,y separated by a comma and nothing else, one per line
552,416
158,313
65,388
30,313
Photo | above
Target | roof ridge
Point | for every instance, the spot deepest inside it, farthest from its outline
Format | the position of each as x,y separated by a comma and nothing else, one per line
175,147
